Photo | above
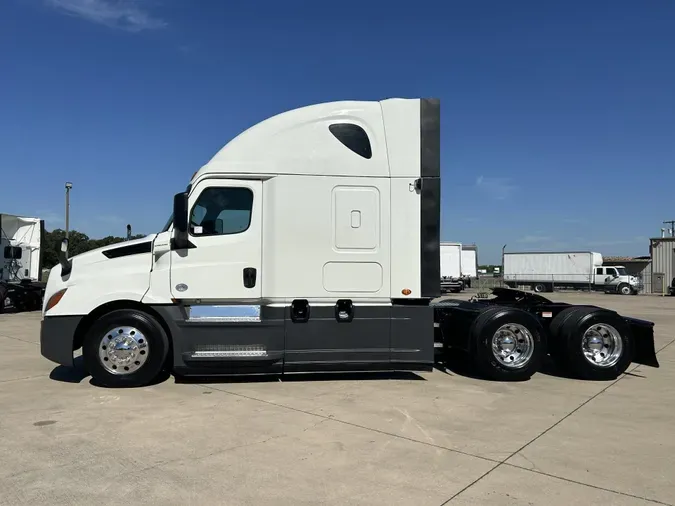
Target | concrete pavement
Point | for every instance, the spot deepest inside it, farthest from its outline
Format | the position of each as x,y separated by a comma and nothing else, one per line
428,439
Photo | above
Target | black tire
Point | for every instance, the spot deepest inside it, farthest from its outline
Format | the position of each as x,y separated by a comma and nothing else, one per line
3,296
157,345
539,287
624,289
482,332
566,338
556,348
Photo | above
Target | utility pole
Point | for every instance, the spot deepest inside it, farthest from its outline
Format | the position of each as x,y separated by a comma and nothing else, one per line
69,185
672,227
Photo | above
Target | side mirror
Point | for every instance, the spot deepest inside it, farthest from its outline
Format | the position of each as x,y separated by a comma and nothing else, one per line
180,220
180,212
66,264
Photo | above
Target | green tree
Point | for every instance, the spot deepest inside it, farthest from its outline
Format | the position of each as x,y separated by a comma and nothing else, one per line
77,243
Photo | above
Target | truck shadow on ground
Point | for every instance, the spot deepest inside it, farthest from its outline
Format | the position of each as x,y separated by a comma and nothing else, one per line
460,364
78,373
456,364
303,377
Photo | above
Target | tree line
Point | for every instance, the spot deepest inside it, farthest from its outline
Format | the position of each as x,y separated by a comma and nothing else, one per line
77,243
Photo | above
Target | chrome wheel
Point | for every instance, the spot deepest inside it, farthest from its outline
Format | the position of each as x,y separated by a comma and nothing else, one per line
513,345
626,290
123,350
602,345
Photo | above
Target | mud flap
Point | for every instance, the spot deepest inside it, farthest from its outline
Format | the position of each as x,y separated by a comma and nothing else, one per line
644,348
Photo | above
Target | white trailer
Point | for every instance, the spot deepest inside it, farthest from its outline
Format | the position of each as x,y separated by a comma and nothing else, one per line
469,263
544,271
310,242
21,266
451,267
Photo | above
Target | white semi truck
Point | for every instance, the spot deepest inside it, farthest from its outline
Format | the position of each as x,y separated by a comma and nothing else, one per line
542,271
21,238
310,242
451,267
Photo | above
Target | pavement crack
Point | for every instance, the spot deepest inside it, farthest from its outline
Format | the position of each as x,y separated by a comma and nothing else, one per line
664,346
546,431
22,340
352,424
197,458
471,484
21,379
655,501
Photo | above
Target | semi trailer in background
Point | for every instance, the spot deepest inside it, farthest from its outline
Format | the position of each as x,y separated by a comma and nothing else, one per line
21,286
469,263
451,267
544,271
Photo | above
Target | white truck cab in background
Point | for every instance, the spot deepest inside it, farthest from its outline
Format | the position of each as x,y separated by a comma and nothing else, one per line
21,286
614,278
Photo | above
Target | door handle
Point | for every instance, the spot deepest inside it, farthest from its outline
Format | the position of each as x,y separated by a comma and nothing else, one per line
249,277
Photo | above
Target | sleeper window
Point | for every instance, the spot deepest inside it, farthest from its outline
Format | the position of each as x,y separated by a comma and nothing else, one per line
222,211
352,136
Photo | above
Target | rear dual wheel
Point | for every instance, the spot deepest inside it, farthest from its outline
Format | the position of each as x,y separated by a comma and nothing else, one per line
591,343
509,344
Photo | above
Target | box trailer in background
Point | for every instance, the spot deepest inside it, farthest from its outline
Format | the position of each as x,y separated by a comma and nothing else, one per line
451,267
21,286
469,264
544,271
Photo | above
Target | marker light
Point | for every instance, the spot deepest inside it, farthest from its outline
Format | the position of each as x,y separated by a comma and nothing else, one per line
55,299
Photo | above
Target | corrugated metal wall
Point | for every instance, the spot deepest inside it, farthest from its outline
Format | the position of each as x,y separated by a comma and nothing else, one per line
662,259
646,277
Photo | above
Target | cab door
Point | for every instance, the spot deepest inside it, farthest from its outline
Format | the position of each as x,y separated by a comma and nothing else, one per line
222,262
218,283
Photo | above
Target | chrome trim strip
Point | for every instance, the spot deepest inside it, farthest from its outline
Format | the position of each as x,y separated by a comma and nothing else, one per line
223,313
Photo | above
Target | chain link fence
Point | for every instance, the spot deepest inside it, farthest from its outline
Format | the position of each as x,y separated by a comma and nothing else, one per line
557,282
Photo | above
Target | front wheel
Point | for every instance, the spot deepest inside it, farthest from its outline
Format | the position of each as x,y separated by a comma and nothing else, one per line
125,348
625,289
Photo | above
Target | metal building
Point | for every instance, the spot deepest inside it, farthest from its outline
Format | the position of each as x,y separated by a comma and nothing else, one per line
662,251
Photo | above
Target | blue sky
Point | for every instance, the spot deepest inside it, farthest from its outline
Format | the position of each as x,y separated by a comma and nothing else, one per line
558,118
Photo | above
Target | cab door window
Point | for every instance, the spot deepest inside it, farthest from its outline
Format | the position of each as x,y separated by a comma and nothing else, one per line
221,211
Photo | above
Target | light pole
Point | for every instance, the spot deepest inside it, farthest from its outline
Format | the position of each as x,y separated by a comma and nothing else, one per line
69,185
503,249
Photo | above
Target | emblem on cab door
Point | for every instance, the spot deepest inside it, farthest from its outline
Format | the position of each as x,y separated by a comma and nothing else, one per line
181,287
